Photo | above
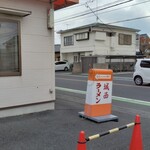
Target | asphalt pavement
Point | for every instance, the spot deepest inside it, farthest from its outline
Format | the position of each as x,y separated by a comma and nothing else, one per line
59,129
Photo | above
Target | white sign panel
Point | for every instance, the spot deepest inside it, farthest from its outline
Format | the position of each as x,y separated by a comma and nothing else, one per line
99,92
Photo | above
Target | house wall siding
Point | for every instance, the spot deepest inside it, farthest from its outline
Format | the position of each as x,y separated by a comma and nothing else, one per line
37,54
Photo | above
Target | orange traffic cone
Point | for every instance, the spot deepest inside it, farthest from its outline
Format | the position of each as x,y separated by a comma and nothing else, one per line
82,141
136,141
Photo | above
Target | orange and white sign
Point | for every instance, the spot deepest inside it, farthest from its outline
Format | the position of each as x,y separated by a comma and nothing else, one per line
99,93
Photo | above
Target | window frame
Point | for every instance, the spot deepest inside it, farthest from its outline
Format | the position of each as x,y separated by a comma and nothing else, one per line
75,58
69,43
124,39
19,72
110,34
84,38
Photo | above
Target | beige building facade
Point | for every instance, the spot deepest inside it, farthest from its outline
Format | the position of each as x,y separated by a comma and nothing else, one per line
27,76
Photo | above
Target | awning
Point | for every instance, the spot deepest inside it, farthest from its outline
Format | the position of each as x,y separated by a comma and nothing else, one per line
58,4
14,12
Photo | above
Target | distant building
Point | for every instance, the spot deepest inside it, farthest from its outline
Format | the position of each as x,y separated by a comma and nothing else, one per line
57,52
144,43
97,39
144,36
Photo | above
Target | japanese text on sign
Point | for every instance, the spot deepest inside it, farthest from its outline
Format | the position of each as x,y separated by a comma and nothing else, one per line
102,91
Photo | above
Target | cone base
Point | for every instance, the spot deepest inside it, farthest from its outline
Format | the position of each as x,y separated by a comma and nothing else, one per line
100,119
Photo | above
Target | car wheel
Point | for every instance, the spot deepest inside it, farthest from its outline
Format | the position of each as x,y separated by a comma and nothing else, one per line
66,69
138,80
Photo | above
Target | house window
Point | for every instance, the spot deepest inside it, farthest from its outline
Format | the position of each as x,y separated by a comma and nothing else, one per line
82,36
68,40
10,63
75,58
110,34
125,39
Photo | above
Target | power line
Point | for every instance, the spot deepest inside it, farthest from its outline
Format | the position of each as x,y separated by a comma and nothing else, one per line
101,20
119,8
129,19
116,9
98,17
87,12
79,6
75,6
76,16
126,6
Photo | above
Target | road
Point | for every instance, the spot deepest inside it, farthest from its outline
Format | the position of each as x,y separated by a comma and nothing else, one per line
123,85
128,100
125,94
59,129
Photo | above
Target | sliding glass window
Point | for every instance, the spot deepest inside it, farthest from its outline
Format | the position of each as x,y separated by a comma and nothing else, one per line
10,57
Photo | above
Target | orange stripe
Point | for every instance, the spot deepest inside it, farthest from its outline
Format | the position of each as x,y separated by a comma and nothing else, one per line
97,109
100,74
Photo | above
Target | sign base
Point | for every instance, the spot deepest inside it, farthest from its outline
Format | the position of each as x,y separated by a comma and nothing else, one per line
100,119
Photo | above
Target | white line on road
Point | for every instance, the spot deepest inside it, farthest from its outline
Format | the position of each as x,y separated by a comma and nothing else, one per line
80,80
116,98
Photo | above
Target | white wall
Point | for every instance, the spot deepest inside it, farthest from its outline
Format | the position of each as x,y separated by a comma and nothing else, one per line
110,45
37,54
126,49
79,46
85,46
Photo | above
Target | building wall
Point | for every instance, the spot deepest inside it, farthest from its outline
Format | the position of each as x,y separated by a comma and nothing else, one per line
85,47
127,50
37,82
79,46
101,43
110,45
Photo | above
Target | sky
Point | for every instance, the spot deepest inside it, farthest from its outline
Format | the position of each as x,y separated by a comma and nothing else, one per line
127,13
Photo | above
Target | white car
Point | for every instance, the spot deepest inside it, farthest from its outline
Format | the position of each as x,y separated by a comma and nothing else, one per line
142,71
62,65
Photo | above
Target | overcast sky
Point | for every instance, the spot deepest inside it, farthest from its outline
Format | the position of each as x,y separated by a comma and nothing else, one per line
110,11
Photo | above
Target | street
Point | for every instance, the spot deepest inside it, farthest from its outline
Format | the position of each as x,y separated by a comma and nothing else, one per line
126,96
123,85
128,100
59,129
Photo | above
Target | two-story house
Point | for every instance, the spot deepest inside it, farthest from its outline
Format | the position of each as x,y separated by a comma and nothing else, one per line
97,39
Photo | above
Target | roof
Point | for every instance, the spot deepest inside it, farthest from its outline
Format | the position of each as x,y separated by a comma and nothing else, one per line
99,25
144,35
